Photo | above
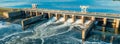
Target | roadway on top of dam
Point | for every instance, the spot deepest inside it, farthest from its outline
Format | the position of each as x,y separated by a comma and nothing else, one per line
88,14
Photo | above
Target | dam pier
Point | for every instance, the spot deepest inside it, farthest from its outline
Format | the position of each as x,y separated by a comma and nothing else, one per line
87,19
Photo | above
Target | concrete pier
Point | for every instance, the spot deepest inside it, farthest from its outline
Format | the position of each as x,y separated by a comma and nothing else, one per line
30,13
49,15
82,19
73,18
86,30
25,12
114,23
103,37
36,13
22,23
57,16
92,18
112,38
83,35
117,26
65,17
104,24
42,13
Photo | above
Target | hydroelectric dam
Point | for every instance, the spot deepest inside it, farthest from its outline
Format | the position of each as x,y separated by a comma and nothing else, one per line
86,21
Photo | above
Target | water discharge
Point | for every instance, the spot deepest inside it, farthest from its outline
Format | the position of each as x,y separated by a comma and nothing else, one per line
51,32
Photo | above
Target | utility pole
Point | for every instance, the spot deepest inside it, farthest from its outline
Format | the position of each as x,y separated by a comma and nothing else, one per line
34,6
84,9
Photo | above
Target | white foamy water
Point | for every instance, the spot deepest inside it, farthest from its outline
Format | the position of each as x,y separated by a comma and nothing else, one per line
61,20
46,33
69,21
3,24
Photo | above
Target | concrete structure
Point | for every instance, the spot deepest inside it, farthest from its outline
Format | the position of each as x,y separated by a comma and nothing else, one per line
92,18
73,18
30,20
104,24
49,15
13,14
57,16
65,17
112,38
117,26
83,19
83,15
37,14
5,14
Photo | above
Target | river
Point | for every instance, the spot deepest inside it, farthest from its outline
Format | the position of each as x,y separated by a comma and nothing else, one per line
51,31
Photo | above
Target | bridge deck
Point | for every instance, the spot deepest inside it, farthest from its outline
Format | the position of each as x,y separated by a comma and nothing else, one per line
97,15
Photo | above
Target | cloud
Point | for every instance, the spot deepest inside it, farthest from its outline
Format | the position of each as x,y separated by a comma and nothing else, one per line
56,0
11,4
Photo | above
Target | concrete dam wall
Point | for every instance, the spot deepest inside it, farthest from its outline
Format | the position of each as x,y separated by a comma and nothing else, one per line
28,21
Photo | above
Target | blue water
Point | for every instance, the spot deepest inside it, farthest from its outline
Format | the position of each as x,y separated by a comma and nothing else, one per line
48,31
105,6
45,32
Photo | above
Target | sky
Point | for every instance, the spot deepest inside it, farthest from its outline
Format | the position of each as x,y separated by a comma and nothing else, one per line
93,4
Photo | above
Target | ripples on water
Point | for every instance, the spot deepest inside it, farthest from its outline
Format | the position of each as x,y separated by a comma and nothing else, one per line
50,32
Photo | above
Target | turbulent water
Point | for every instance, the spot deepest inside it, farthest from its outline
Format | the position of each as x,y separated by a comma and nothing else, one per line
49,32
52,31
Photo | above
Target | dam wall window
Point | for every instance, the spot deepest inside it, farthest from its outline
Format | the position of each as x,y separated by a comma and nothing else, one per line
61,15
69,16
99,19
87,18
46,13
38,13
81,17
77,17
13,14
41,13
33,13
109,23
100,22
27,13
52,15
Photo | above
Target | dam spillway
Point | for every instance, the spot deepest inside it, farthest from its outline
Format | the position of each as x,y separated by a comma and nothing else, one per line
74,16
85,20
